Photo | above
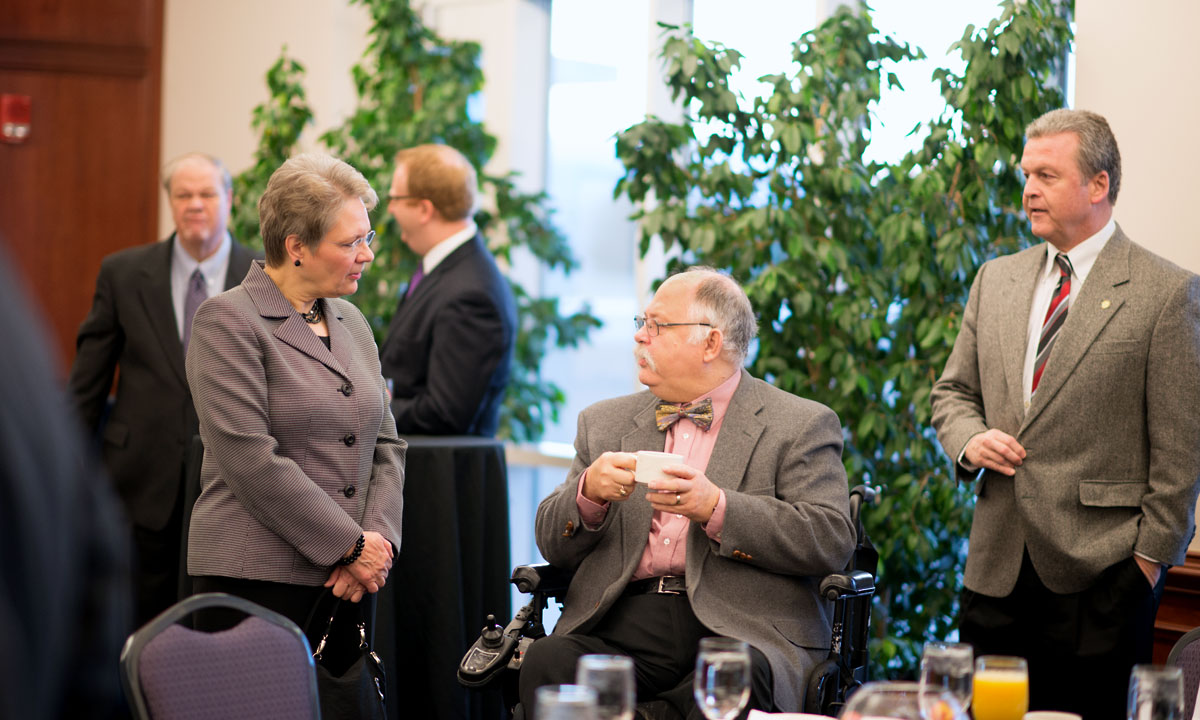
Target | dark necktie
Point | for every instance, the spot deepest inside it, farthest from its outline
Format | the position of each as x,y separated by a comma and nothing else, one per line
416,280
700,413
1056,315
197,293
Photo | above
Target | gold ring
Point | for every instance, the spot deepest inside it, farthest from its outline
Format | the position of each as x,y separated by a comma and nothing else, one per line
621,489
678,499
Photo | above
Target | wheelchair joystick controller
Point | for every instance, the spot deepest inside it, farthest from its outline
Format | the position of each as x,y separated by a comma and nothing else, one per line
492,634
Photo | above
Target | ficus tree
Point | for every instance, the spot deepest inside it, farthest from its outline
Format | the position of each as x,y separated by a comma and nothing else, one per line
859,269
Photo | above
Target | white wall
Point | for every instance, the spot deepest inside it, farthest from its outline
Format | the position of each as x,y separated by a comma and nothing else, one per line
216,55
1134,66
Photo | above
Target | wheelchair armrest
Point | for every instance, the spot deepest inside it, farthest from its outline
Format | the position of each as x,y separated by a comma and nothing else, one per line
855,583
542,578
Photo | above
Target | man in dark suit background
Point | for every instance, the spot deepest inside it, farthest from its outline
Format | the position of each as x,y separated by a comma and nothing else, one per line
449,347
1073,388
733,542
139,322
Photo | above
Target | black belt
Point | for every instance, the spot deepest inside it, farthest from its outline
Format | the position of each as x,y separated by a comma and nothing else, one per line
665,585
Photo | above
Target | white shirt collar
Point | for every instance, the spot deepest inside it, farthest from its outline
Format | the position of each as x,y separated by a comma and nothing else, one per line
211,267
438,252
1082,256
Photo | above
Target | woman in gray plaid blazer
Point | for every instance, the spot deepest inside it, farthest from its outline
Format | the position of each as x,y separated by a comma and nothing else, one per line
303,470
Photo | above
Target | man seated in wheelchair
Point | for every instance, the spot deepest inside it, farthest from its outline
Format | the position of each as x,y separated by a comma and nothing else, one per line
732,541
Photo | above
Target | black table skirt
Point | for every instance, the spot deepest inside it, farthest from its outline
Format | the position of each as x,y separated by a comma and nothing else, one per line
452,571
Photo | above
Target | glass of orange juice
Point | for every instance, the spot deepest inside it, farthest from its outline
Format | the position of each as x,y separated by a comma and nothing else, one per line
1001,688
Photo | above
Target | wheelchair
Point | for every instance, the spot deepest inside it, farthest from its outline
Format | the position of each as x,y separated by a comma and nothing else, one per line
500,650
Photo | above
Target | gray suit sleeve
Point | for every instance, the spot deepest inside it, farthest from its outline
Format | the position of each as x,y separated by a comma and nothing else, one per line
1173,426
561,535
803,527
385,506
957,396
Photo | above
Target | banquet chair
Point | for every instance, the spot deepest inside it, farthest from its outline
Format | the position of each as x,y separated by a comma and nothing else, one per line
498,650
1186,655
260,668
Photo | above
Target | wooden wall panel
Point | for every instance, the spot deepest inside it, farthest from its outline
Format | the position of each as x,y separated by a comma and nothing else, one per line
1180,608
86,182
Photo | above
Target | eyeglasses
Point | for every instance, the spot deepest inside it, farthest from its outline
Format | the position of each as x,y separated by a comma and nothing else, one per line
356,243
404,197
652,326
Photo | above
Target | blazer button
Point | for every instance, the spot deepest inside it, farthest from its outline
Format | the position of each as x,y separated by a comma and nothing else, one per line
349,491
347,389
349,440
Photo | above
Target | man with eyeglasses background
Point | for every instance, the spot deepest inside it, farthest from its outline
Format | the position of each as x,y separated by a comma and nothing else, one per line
140,322
732,543
449,346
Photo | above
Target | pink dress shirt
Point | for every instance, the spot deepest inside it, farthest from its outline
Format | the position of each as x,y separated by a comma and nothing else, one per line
666,546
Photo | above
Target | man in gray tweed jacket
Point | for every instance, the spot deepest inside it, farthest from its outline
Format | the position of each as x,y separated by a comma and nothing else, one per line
732,542
1073,388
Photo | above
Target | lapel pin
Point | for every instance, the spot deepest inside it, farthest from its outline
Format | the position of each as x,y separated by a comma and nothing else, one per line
1104,304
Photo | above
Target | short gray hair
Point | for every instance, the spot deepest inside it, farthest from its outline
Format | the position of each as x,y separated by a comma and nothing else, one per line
721,301
1098,151
303,197
172,166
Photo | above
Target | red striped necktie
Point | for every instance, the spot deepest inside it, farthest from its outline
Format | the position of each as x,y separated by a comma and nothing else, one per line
1056,315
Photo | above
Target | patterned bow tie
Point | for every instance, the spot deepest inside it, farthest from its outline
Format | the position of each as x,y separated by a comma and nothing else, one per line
700,413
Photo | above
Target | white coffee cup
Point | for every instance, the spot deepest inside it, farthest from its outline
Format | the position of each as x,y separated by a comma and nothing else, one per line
1051,715
650,465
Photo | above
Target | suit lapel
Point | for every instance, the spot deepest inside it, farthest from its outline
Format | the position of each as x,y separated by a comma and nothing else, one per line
740,430
339,339
1102,295
293,330
430,281
159,306
1015,324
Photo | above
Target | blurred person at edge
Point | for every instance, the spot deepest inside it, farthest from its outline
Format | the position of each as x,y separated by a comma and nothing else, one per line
65,602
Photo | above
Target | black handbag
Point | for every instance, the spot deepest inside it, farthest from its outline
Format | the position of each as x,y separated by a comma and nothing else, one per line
356,694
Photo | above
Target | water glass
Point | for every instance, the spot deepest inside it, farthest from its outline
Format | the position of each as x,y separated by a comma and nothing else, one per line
611,676
1001,688
1155,693
566,702
948,667
901,701
722,681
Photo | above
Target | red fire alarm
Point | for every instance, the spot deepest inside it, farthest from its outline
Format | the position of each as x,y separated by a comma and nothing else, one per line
15,114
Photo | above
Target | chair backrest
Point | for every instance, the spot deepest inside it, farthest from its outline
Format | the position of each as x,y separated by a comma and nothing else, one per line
260,668
1186,654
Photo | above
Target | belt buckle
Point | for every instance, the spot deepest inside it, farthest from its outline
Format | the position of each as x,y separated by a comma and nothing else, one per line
662,589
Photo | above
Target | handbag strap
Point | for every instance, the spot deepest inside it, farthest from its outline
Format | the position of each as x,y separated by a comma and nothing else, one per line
337,603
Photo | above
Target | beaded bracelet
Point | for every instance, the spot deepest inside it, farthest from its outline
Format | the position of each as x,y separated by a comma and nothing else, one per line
358,548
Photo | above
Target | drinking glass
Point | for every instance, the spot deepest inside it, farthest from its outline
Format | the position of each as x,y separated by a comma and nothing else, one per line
1001,688
722,683
947,667
901,701
566,702
1155,693
611,676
